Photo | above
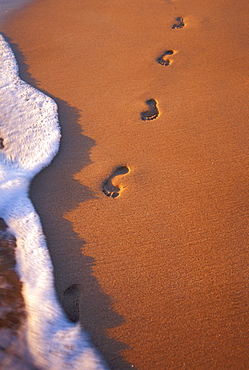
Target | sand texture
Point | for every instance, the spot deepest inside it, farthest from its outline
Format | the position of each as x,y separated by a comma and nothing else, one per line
145,208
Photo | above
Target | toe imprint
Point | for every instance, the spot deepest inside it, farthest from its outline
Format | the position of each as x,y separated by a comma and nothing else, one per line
110,186
152,112
180,23
163,59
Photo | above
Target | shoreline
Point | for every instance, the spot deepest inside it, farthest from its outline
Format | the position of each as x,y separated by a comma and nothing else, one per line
30,136
159,273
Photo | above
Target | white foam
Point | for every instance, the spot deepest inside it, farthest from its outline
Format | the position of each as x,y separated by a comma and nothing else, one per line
30,130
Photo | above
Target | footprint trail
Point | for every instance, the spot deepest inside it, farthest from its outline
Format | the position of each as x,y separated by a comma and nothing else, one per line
111,188
152,112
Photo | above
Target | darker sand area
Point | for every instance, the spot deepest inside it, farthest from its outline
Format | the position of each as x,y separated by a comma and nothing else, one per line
157,274
13,347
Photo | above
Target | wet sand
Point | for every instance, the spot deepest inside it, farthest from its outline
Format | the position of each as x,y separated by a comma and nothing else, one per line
8,7
13,348
157,272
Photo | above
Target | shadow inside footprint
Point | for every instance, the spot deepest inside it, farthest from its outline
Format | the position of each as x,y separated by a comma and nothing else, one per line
1,143
71,302
109,187
152,112
163,58
180,23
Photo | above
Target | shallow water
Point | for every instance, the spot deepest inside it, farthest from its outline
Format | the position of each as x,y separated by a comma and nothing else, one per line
13,346
8,6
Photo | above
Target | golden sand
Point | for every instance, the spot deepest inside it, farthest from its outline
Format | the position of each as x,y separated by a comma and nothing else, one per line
160,271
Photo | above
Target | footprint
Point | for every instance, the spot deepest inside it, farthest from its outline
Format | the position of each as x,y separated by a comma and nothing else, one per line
110,187
70,302
163,58
1,143
180,23
152,112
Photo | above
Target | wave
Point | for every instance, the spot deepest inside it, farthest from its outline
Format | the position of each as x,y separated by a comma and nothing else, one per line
29,139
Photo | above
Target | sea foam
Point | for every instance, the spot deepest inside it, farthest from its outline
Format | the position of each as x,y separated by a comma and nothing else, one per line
30,131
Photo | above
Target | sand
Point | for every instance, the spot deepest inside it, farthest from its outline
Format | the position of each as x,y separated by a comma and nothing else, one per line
13,346
160,272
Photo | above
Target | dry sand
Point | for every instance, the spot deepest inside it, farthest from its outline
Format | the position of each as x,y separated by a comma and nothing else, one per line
161,271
